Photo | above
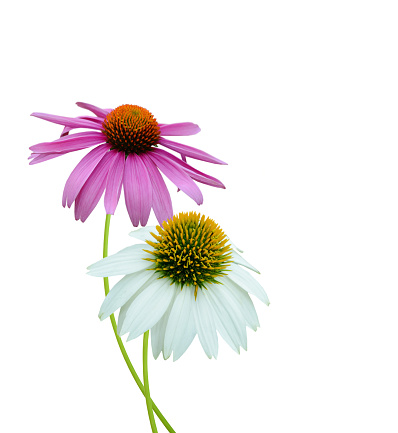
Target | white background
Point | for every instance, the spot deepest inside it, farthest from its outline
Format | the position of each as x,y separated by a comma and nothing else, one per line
300,98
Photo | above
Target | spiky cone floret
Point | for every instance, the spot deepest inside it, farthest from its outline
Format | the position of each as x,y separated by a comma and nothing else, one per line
130,153
209,296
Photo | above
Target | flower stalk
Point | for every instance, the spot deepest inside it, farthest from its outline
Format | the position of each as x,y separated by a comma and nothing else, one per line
120,342
146,383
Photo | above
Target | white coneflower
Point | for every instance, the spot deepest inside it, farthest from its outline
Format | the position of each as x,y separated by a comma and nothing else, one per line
186,280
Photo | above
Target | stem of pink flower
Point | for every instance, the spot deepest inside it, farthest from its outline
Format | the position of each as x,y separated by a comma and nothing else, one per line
119,340
146,383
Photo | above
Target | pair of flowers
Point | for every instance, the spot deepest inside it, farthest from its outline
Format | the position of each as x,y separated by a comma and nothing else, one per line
187,278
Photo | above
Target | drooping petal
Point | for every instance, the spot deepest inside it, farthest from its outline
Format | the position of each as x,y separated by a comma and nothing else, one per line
244,280
127,261
204,323
81,173
178,320
144,233
237,258
230,329
114,183
178,177
36,158
122,292
235,247
230,315
185,128
161,200
97,120
70,143
68,121
244,300
100,112
158,331
137,190
224,333
125,308
66,131
189,151
93,188
192,172
148,308
187,336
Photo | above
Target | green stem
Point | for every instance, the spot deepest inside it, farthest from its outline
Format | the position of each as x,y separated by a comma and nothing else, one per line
119,340
146,383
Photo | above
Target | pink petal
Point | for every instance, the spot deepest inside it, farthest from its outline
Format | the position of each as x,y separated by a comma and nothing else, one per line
192,172
189,151
81,172
186,128
183,157
161,201
97,120
114,183
177,176
41,157
68,121
78,141
66,131
93,188
137,190
96,110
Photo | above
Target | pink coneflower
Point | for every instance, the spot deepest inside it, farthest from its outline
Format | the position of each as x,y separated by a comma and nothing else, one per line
127,154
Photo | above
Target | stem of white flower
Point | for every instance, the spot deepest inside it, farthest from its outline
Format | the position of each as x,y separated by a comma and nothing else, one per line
146,383
120,342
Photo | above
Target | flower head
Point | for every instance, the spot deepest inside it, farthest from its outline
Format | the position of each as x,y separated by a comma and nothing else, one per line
185,280
127,154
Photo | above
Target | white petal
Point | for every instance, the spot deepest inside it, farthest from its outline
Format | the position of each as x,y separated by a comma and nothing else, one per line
158,331
179,316
123,312
148,308
223,332
230,322
237,258
234,246
244,280
144,233
125,308
123,291
126,261
204,323
247,307
187,337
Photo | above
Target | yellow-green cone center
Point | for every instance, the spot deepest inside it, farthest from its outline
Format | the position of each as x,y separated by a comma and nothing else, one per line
191,250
